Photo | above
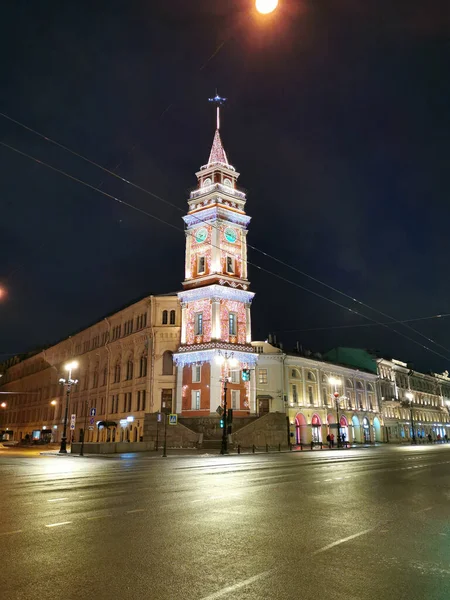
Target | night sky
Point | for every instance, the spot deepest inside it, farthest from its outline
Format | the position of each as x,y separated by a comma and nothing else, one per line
337,119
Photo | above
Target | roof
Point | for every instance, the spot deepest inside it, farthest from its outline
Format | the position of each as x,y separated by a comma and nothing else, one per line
217,154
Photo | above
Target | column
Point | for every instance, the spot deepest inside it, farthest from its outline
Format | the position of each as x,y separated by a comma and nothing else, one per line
215,319
215,386
248,324
179,391
252,391
188,271
183,322
215,249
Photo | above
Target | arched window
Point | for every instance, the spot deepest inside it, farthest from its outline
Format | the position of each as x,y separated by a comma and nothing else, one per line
359,385
311,376
164,317
172,317
369,387
295,374
130,369
143,365
167,366
117,371
207,182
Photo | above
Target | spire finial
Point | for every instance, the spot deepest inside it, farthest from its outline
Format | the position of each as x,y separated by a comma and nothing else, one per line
218,101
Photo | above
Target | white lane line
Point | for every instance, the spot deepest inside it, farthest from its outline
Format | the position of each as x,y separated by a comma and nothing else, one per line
57,499
201,500
328,480
338,478
136,510
98,517
423,510
11,532
232,588
343,540
59,524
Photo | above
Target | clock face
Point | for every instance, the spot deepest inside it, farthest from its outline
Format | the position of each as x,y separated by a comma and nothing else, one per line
230,235
201,235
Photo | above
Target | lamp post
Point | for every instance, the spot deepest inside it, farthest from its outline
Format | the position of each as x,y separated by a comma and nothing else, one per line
226,360
86,409
336,382
69,367
410,397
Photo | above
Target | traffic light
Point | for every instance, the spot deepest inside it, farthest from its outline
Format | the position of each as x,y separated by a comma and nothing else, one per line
245,374
221,423
230,416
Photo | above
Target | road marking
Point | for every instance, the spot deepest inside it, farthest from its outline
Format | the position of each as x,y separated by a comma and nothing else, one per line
338,478
423,510
201,499
343,540
17,531
328,480
98,517
59,524
237,586
129,512
57,499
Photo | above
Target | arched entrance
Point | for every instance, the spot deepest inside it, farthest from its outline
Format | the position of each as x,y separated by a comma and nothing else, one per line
301,429
356,429
377,429
343,428
366,430
316,428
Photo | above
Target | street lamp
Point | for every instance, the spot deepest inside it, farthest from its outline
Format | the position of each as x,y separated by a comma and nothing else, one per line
266,6
410,397
3,405
69,367
226,360
336,383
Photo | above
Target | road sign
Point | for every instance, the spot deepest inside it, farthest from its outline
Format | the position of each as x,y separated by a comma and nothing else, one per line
91,421
159,417
93,412
219,411
73,420
173,419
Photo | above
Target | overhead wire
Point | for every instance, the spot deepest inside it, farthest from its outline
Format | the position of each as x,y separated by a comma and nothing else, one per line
264,270
200,220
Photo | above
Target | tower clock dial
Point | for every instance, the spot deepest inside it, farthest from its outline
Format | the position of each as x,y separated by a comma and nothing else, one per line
230,235
201,235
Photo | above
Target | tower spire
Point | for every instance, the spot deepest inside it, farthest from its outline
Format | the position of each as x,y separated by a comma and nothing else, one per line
217,154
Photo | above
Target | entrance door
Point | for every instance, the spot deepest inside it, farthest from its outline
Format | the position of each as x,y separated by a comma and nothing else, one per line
166,401
263,406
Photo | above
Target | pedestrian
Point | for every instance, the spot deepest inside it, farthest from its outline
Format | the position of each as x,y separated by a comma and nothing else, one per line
329,440
343,439
429,438
446,438
332,440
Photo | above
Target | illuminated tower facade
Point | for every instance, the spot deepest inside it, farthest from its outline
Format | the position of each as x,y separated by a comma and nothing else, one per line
215,301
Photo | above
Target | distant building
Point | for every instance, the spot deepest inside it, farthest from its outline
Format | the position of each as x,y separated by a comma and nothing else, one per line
413,403
125,370
300,386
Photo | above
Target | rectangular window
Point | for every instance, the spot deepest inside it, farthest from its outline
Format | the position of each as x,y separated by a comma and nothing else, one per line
310,394
196,373
143,393
235,400
230,264
124,403
195,399
294,394
129,401
232,323
235,376
199,324
262,376
138,401
201,265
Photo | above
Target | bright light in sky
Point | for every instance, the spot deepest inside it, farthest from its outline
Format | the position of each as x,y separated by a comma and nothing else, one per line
266,6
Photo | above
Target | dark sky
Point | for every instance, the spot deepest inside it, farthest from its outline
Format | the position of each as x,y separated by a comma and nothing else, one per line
337,119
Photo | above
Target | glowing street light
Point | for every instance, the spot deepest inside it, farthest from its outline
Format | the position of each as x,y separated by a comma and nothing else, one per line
3,405
336,383
266,6
69,367
410,397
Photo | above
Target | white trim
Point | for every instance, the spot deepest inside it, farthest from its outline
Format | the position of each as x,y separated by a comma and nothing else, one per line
196,394
216,291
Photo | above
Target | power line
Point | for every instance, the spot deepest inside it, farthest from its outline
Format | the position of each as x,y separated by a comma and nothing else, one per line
361,324
200,220
277,275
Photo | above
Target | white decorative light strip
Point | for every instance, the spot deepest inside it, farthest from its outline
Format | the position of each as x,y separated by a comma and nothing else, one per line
216,291
217,186
198,356
213,214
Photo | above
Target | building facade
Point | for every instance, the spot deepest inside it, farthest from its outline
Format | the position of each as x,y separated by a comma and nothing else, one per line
125,369
300,386
414,404
215,301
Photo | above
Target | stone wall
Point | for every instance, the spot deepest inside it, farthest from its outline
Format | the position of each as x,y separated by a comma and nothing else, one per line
210,426
271,429
178,436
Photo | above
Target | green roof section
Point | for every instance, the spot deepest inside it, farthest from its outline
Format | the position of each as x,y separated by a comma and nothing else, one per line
353,357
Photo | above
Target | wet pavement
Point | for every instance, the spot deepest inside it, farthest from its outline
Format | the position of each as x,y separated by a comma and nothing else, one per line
349,524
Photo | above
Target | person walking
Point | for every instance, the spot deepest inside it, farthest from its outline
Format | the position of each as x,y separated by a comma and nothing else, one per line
332,440
329,440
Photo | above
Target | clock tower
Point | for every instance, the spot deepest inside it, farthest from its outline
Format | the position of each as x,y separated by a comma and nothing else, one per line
215,301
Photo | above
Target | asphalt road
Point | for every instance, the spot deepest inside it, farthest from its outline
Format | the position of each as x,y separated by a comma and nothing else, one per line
345,525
